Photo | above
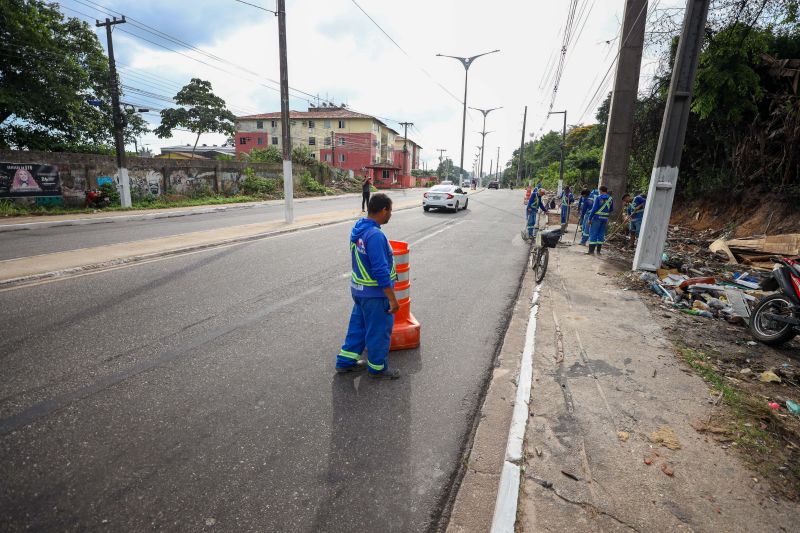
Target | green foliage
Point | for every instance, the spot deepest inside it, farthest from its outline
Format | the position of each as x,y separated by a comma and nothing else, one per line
271,154
311,185
110,190
302,155
201,112
252,185
225,157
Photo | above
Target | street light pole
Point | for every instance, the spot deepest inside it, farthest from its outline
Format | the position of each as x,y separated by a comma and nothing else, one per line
484,132
563,142
466,62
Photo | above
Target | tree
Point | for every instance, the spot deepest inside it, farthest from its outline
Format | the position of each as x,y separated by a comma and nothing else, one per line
50,66
270,154
201,112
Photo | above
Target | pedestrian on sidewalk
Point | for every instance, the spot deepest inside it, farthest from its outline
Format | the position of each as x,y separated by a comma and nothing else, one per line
598,216
366,190
587,223
372,289
583,208
535,203
636,215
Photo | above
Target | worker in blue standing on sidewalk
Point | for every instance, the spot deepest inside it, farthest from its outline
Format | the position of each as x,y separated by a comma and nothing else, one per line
637,214
583,208
567,199
535,203
372,288
587,223
598,218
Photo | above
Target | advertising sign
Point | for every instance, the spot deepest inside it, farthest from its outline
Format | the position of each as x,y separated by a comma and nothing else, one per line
19,180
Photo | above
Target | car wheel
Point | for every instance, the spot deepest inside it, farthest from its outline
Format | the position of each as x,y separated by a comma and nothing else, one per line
457,208
466,203
426,208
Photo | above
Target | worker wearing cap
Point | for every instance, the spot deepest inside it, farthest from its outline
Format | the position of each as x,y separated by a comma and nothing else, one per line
598,216
637,214
587,223
372,288
567,199
535,203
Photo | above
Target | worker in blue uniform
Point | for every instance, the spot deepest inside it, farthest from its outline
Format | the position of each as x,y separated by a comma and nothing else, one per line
567,199
372,288
583,207
587,222
598,217
637,214
535,203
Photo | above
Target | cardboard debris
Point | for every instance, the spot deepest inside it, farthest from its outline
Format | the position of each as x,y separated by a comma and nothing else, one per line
721,246
788,244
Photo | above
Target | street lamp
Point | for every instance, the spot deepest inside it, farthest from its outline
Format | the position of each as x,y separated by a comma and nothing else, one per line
466,62
484,132
563,141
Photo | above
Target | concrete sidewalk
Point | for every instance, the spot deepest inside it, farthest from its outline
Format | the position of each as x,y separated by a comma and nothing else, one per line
33,268
605,379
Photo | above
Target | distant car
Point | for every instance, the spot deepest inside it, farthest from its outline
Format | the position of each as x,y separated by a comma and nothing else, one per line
493,185
446,182
445,197
466,183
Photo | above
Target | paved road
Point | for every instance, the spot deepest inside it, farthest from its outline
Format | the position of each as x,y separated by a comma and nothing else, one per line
199,389
27,242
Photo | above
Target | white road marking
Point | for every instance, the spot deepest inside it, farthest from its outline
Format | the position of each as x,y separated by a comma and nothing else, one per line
435,233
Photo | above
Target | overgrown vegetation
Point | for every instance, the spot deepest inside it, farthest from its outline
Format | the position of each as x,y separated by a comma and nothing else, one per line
311,185
744,127
252,185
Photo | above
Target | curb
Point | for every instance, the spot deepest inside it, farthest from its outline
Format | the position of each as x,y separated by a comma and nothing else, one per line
21,281
505,510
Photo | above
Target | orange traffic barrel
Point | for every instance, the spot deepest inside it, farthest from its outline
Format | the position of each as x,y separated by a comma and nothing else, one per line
527,194
405,333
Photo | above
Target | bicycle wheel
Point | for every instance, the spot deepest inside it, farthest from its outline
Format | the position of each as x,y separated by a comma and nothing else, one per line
539,260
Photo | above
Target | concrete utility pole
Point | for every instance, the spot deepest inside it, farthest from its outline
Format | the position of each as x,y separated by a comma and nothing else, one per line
563,147
522,144
466,62
484,112
664,178
405,145
119,142
288,181
617,149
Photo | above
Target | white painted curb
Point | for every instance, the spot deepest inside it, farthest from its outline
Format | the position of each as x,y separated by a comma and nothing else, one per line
505,509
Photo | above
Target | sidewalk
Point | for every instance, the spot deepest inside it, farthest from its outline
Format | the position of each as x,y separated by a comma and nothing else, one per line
606,384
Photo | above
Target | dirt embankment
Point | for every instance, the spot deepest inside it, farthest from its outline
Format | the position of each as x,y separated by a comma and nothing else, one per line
758,215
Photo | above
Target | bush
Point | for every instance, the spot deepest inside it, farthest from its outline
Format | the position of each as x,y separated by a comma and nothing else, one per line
271,154
302,155
312,185
110,190
252,185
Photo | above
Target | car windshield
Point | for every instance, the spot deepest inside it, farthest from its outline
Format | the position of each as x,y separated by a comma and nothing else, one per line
442,188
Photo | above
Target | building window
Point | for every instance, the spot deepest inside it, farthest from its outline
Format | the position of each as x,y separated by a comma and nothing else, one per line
274,123
311,125
386,174
341,124
313,155
328,158
341,158
327,141
242,140
292,123
274,140
312,141
341,141
260,125
261,140
327,124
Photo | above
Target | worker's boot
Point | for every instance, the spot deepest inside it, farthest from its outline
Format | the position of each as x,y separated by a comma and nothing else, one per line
599,246
590,251
358,367
389,373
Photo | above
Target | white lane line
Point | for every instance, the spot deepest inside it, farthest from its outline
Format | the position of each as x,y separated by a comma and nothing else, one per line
505,509
435,233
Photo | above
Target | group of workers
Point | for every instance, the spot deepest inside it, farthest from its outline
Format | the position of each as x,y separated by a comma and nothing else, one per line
594,209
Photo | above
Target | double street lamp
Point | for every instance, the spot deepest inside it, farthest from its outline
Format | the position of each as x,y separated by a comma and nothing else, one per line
466,62
484,133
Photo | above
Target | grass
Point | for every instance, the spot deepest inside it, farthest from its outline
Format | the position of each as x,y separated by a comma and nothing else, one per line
758,433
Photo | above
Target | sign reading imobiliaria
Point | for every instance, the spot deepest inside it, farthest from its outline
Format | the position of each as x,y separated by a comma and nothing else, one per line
19,180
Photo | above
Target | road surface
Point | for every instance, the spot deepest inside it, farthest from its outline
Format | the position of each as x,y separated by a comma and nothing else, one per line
198,392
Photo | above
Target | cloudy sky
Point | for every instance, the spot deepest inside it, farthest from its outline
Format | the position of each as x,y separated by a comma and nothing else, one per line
337,52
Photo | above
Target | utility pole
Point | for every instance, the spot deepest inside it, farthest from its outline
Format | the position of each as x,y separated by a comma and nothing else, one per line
288,181
617,148
405,145
484,112
563,146
664,178
522,144
491,168
441,151
497,170
119,142
466,62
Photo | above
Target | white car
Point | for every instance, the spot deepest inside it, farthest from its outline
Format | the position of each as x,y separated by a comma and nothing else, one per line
445,197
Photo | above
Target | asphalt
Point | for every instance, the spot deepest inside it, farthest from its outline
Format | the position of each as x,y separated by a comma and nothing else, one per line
197,391
86,232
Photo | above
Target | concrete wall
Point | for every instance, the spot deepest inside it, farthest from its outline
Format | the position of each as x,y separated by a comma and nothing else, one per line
79,173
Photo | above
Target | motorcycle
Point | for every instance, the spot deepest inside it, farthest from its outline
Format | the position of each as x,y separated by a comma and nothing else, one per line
97,199
776,318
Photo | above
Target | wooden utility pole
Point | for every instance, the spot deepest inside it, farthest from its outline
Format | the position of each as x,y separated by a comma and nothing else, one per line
522,144
405,145
617,149
664,178
288,181
119,141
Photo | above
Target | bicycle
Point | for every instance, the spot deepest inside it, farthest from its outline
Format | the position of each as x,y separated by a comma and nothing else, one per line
540,250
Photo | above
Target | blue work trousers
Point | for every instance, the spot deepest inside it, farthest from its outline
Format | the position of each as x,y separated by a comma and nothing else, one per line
585,227
565,214
597,233
531,222
371,328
